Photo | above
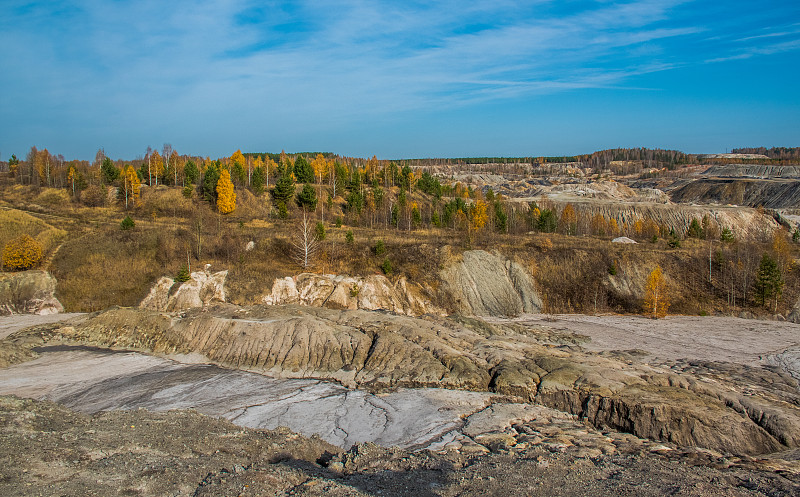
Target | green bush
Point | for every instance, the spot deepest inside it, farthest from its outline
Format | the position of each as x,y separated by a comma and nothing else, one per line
320,231
127,223
183,274
386,267
379,248
349,236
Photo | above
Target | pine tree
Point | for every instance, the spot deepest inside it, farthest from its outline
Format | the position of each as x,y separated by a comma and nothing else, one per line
190,172
210,180
307,198
656,298
108,171
284,189
303,170
769,282
259,178
226,197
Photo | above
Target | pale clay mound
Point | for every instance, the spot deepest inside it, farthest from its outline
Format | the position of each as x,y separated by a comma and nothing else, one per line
374,292
739,409
28,292
202,289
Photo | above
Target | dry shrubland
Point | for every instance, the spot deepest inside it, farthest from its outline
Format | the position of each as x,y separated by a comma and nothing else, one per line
99,265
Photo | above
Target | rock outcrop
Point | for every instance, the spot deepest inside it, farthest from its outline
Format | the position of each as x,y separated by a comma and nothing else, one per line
202,289
750,413
28,292
485,284
374,292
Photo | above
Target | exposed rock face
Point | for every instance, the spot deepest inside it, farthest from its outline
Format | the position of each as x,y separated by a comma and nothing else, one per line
794,315
485,284
28,292
750,413
202,289
622,239
375,292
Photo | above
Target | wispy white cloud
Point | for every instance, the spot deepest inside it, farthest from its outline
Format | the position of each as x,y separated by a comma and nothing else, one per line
322,64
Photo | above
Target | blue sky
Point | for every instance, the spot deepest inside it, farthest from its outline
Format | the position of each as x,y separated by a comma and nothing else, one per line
397,79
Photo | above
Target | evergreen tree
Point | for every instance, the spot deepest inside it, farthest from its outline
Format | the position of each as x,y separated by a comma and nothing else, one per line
547,221
303,170
307,198
284,189
695,230
769,282
500,218
190,172
258,181
108,171
210,179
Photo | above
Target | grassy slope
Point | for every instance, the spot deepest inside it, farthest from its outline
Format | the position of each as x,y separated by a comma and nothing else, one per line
99,265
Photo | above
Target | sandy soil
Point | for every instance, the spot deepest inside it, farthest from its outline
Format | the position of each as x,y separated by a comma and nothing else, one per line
10,324
741,341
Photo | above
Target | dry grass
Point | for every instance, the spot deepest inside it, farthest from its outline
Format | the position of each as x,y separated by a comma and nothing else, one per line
99,265
14,223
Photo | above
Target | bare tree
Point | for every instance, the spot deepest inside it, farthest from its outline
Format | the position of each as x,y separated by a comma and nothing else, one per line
304,243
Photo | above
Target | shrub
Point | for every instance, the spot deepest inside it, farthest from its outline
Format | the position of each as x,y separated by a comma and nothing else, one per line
386,267
380,248
183,274
283,213
187,191
127,223
320,231
349,236
94,196
22,253
338,221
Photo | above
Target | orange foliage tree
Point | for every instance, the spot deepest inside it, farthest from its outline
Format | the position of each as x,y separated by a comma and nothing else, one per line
22,253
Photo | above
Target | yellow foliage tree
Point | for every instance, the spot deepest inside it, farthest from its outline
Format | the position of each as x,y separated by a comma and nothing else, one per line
226,197
156,165
131,186
656,296
320,166
22,253
599,225
238,158
569,220
479,215
613,227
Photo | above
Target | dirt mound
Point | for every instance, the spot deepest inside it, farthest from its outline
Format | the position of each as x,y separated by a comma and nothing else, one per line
485,284
378,351
772,194
28,292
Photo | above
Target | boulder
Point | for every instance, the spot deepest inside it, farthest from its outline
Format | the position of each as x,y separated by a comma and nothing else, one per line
622,239
202,288
28,292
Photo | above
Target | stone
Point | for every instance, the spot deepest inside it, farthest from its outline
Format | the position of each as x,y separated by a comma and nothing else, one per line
28,292
202,289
